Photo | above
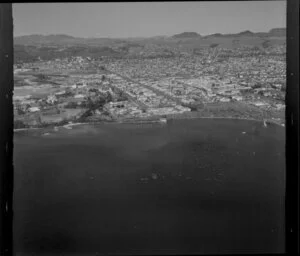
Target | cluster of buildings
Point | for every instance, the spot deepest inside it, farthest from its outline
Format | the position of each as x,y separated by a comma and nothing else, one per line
77,88
255,79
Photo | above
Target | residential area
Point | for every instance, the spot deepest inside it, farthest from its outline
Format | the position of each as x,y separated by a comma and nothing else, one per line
245,82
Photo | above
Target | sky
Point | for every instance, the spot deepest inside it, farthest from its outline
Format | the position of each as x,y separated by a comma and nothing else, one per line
146,19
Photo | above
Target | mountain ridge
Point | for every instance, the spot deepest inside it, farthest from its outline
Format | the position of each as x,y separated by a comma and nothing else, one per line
280,32
59,39
187,35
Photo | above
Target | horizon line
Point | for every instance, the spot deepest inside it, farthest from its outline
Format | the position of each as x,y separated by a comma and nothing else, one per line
107,37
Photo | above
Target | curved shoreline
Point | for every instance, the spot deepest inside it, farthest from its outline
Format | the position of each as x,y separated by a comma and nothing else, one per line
151,121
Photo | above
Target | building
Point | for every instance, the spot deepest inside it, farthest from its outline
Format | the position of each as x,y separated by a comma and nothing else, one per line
237,98
79,96
33,109
51,99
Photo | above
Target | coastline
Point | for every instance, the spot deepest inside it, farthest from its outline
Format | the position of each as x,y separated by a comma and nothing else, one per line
148,121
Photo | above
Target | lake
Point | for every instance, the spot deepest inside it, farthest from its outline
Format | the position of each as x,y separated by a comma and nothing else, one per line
190,186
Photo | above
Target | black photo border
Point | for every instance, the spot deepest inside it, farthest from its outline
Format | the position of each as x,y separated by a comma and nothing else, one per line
6,129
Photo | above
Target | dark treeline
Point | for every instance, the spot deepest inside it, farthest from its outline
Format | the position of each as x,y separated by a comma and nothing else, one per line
23,54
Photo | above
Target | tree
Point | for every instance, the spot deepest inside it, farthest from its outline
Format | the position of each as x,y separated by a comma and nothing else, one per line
18,124
109,97
20,111
122,96
255,86
213,45
266,44
42,76
71,105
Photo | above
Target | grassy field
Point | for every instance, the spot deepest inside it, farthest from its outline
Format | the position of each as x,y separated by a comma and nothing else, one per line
232,110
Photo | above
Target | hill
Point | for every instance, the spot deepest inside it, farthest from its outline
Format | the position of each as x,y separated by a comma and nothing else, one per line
59,40
66,40
24,53
245,33
187,35
275,32
32,47
41,39
278,32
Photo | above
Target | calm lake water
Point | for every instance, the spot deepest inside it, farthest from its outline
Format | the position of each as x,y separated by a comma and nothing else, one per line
191,186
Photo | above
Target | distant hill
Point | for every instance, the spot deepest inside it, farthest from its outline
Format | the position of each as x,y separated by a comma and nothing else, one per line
245,33
66,40
24,53
58,40
187,35
32,47
275,32
215,35
278,32
41,39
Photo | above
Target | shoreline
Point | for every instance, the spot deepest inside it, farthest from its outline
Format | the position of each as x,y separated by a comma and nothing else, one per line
141,121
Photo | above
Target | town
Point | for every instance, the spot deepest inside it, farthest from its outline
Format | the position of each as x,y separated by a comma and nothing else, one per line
140,128
152,85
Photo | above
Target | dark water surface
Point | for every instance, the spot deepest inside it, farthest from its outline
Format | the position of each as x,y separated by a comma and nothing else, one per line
191,186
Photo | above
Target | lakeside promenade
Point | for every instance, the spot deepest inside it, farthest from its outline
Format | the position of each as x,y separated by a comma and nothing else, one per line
154,120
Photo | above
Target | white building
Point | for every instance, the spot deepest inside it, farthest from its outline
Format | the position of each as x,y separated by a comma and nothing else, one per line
238,98
51,99
224,100
260,104
33,109
60,93
280,106
79,96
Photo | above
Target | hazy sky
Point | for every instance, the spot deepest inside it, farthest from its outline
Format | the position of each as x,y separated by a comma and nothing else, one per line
147,19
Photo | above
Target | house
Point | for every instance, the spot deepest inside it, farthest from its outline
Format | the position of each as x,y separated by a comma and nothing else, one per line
276,86
60,93
79,96
51,99
280,106
224,100
259,104
237,98
119,104
33,109
267,94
